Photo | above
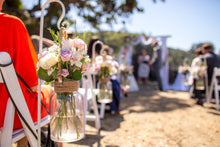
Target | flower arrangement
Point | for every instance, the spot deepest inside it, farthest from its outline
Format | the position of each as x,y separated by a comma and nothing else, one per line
72,56
125,70
105,66
200,70
63,63
185,69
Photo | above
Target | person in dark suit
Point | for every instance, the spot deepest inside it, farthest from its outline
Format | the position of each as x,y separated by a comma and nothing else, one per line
212,60
156,63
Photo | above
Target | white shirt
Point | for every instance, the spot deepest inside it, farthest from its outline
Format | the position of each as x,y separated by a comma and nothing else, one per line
195,61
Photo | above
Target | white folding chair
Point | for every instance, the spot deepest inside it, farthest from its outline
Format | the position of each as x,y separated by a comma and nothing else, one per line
89,93
215,85
8,136
103,105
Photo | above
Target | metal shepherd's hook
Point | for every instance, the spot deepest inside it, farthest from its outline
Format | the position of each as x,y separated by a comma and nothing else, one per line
40,50
93,56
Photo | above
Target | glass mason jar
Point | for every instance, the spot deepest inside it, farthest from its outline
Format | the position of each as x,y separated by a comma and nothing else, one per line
105,90
67,117
126,82
185,79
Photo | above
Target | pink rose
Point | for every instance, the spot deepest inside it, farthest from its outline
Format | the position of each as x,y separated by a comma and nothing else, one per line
85,67
97,67
64,73
115,63
79,44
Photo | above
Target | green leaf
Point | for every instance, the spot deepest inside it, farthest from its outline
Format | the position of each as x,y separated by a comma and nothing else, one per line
75,27
84,35
76,75
43,75
54,74
54,35
48,83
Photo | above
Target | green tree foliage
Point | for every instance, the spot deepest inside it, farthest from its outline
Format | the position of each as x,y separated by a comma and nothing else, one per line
116,39
198,45
195,46
16,4
177,57
94,12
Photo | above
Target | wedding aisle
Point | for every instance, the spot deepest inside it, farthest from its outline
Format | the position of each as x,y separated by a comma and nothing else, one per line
151,118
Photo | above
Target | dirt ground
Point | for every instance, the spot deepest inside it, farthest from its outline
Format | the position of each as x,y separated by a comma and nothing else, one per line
150,118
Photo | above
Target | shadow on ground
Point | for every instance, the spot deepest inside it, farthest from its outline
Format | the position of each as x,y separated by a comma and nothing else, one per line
153,101
89,140
106,125
137,102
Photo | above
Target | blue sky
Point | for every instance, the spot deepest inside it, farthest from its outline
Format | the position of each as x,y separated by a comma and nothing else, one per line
186,21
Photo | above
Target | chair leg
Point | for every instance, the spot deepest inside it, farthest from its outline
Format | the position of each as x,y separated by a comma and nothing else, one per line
208,94
94,103
217,96
102,111
6,136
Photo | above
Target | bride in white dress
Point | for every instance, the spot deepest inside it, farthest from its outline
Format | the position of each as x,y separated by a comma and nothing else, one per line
125,57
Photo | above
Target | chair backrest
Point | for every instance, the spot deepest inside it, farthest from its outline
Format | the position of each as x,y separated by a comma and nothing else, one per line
217,71
90,92
9,78
215,85
214,82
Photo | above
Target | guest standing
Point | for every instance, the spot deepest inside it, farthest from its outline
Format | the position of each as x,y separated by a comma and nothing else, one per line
143,69
156,63
212,60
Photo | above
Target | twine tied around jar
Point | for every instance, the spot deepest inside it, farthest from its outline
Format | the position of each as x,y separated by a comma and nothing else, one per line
67,85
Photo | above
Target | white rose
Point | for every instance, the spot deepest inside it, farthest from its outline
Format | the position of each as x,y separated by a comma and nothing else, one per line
53,48
99,60
107,63
108,57
113,71
76,59
48,60
79,64
68,44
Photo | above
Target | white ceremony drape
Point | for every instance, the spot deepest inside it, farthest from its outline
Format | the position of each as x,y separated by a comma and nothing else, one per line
128,55
141,39
164,72
178,84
